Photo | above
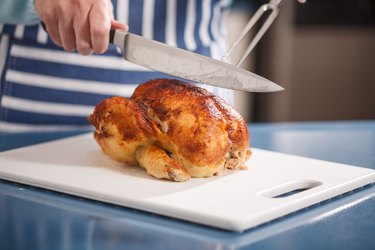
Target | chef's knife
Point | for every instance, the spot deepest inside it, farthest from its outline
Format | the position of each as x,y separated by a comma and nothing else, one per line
188,65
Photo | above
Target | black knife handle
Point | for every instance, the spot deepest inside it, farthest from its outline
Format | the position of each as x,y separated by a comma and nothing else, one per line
43,26
112,35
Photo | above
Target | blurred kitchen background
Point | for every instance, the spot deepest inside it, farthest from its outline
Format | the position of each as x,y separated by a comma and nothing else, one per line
322,52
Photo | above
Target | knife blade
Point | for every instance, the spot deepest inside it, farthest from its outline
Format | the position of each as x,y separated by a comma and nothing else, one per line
188,65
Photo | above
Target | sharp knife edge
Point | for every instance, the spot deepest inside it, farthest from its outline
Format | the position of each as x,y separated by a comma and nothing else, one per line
188,65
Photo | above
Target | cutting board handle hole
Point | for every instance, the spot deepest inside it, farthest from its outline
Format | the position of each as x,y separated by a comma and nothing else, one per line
290,188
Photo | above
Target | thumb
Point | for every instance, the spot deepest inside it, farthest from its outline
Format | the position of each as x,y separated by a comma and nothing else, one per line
118,25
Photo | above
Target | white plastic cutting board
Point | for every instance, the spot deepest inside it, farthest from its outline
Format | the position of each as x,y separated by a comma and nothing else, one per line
237,201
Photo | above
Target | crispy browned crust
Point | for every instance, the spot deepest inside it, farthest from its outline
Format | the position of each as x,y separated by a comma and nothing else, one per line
199,130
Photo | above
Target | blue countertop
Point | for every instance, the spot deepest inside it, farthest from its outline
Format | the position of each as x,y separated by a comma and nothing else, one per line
33,218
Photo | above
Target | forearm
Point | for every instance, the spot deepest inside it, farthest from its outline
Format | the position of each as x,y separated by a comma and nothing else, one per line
18,12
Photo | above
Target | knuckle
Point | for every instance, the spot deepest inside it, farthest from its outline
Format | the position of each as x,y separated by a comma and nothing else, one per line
83,46
48,16
56,40
60,9
99,31
100,49
85,52
79,6
78,2
100,43
69,47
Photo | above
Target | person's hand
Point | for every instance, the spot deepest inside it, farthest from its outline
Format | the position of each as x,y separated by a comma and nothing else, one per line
81,25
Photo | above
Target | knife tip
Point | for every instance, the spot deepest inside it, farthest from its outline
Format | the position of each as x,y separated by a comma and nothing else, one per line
279,88
271,88
275,88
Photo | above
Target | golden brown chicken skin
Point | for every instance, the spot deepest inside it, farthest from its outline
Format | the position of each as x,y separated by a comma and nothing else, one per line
175,130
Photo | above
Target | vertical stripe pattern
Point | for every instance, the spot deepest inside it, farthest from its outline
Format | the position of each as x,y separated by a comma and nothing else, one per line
190,23
204,25
122,11
160,20
148,19
171,23
4,41
42,36
18,32
44,88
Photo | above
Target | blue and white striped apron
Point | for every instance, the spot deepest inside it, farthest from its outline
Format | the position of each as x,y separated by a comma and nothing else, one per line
45,88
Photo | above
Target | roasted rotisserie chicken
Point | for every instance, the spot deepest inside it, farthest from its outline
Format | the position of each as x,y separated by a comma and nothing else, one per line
175,130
